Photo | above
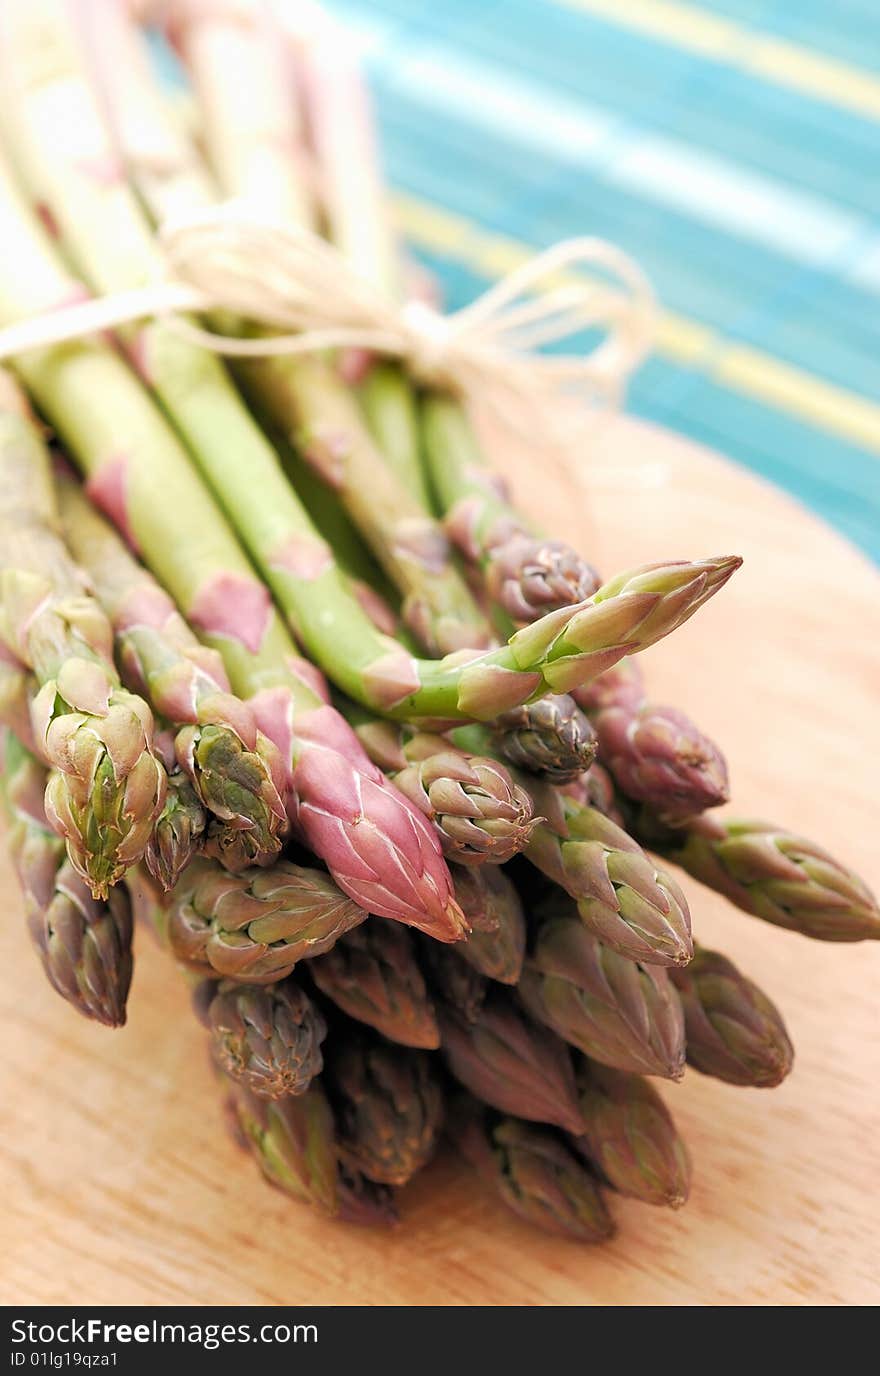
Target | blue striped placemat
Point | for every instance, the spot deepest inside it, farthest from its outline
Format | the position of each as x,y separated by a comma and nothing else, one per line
731,146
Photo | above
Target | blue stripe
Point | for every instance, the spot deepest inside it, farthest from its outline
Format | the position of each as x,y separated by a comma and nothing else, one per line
715,108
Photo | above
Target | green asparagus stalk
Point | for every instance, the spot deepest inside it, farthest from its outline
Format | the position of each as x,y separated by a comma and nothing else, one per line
513,1064
365,578
629,1136
292,1140
615,1010
84,944
255,926
109,787
373,975
733,1031
388,1105
389,403
773,874
266,1037
376,845
497,941
656,755
533,1172
236,771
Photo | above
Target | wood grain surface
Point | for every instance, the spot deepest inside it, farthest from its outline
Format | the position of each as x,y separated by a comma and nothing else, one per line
120,1185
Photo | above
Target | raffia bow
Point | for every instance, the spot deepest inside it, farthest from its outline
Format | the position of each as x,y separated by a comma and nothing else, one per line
298,290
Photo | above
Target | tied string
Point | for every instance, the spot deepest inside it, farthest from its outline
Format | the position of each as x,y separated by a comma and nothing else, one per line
300,295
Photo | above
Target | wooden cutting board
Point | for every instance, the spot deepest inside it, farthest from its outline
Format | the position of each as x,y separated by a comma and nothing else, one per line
119,1183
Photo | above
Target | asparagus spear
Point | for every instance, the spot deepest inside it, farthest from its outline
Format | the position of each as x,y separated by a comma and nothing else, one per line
255,926
236,770
621,895
634,907
733,1030
572,646
773,874
180,827
533,1172
524,575
84,944
304,397
454,982
497,941
390,405
616,1011
655,754
340,125
373,975
629,1137
480,814
377,846
388,1105
365,578
109,787
551,737
292,1140
310,404
513,1064
268,1038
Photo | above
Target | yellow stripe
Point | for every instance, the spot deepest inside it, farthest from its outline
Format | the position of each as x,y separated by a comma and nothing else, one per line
773,58
736,366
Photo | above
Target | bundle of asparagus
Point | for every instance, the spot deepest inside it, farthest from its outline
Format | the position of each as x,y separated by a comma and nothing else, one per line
287,673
